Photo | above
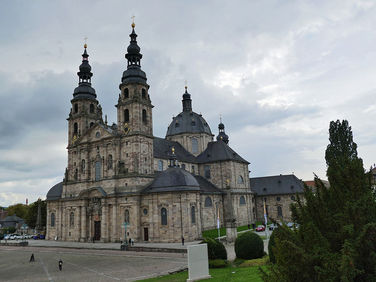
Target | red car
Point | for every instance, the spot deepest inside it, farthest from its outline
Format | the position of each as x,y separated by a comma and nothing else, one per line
260,228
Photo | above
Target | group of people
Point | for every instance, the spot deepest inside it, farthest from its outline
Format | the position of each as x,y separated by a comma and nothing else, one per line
32,259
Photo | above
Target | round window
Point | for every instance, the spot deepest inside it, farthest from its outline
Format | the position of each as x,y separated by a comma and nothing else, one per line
145,211
278,199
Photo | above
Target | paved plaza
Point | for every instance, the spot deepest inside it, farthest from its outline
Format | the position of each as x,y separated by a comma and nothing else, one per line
84,264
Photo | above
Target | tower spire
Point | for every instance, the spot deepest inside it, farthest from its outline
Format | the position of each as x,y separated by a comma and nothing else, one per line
221,128
187,101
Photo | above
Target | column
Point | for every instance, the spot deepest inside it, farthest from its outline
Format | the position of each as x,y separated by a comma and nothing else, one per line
104,223
115,235
83,224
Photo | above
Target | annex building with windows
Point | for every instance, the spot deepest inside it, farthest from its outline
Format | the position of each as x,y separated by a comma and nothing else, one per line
120,178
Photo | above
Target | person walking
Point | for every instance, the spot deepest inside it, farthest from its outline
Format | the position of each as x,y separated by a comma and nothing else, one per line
182,240
60,264
32,258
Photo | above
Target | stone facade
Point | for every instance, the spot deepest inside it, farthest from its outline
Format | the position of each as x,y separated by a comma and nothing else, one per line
104,195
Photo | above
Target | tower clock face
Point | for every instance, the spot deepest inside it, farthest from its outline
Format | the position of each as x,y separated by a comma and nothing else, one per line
126,128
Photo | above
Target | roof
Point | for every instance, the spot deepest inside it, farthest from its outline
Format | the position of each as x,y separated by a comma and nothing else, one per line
206,186
12,218
219,151
274,185
188,122
173,179
55,192
162,150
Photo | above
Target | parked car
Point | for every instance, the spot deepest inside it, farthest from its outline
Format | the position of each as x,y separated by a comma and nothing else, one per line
260,228
273,226
7,237
41,236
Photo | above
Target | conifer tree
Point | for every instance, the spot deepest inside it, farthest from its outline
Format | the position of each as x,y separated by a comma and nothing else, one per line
336,238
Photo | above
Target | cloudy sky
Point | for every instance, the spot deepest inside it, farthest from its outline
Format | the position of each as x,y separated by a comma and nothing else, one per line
277,71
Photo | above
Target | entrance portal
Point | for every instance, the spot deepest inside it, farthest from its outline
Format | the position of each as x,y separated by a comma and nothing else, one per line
146,234
97,230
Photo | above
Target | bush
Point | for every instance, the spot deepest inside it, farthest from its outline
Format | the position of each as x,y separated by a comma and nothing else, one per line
271,245
217,263
216,250
255,262
249,246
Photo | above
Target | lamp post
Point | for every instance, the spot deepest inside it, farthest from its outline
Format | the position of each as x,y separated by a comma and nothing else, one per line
125,244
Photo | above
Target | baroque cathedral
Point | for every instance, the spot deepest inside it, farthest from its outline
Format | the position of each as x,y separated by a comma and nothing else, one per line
121,180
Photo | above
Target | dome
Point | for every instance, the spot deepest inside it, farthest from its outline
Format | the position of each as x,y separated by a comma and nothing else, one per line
173,179
55,192
85,67
188,122
84,91
133,49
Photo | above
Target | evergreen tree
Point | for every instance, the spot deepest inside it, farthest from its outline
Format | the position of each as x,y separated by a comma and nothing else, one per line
32,214
336,240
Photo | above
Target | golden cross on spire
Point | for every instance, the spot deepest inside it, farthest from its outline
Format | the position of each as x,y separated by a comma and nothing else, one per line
133,24
85,39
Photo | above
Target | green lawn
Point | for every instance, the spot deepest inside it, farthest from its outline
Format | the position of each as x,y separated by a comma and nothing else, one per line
230,273
213,233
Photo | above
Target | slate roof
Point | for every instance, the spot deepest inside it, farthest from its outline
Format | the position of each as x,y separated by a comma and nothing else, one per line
188,122
162,150
206,186
55,192
274,185
173,179
13,218
219,151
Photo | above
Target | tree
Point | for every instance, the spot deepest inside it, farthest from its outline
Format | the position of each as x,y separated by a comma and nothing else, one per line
31,217
19,210
336,240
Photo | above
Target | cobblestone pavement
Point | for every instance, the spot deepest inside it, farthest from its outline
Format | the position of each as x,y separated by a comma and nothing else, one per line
84,265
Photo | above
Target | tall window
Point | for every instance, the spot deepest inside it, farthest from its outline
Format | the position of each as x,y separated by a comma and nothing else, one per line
193,215
160,165
52,220
76,108
240,179
98,168
143,93
207,171
126,115
208,202
109,162
279,210
183,166
193,169
194,146
144,116
126,93
126,216
75,128
163,216
91,108
242,200
83,165
71,219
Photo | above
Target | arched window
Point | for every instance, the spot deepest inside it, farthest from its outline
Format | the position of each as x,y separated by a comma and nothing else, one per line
71,219
76,108
52,223
144,116
126,216
75,128
194,146
76,174
183,166
83,165
126,93
109,162
143,93
91,108
207,171
126,115
91,124
163,216
193,215
193,169
98,168
242,200
279,210
240,179
160,165
208,202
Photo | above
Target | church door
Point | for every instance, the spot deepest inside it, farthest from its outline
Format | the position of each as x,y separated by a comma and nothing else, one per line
97,230
146,234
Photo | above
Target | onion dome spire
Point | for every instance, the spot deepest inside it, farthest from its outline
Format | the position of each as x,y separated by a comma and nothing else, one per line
84,89
187,101
133,73
222,135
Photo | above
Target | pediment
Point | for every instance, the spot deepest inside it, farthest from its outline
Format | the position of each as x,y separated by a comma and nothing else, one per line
96,133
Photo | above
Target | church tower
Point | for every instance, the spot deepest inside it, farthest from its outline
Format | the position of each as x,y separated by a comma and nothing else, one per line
85,111
134,108
134,114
